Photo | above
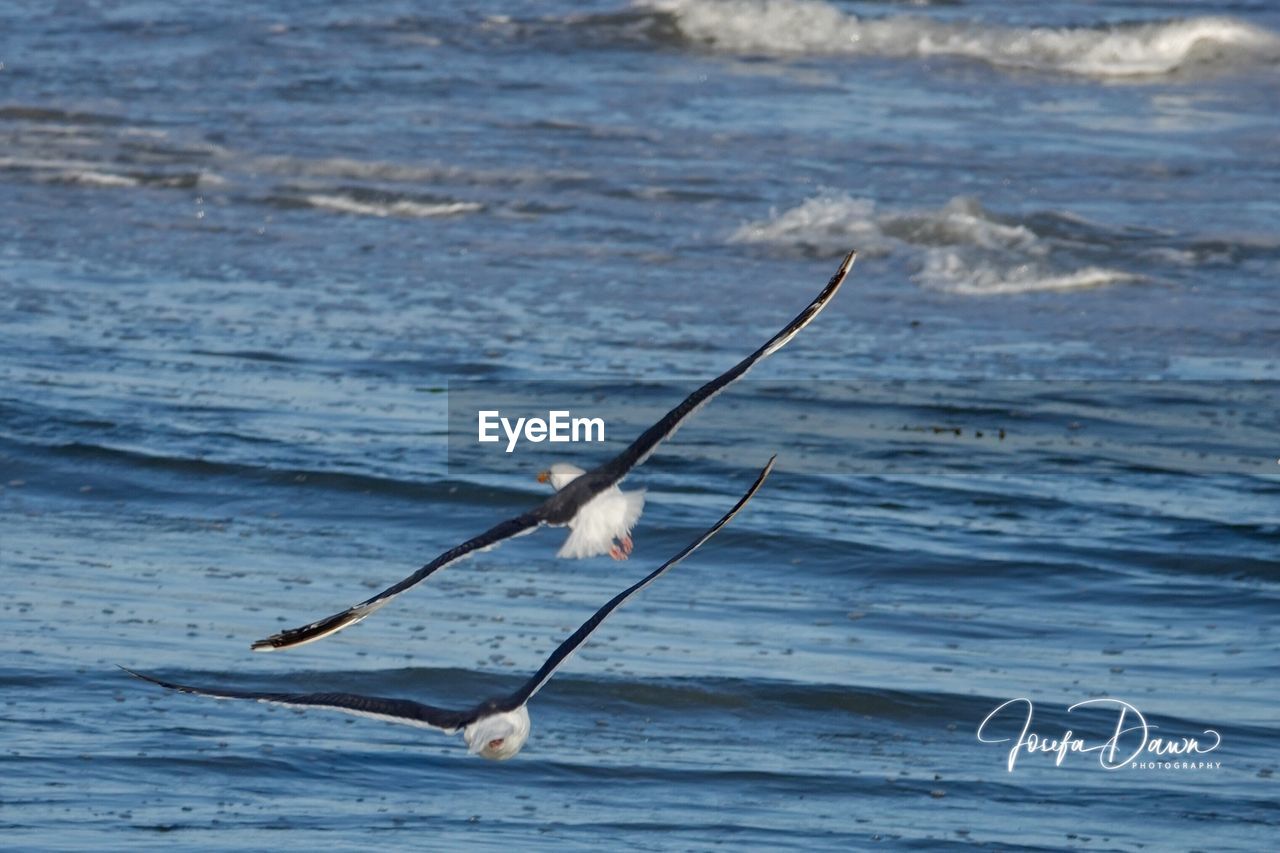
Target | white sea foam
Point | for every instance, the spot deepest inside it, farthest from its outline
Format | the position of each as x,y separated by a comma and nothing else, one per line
92,174
42,163
346,204
960,248
789,27
349,169
91,178
67,171
955,271
346,167
826,224
210,179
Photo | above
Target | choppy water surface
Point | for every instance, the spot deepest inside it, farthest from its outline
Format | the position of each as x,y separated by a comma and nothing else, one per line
1028,452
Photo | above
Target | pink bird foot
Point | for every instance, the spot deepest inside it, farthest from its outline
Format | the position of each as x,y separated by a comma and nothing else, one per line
627,544
617,553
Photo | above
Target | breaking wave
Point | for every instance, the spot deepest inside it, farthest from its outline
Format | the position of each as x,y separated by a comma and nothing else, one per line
960,248
798,27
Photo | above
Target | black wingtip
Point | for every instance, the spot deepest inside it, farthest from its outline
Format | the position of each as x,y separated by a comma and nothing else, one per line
742,501
805,317
764,475
841,274
294,637
283,640
144,677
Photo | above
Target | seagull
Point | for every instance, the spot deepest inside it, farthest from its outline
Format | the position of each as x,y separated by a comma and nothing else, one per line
608,516
496,728
588,502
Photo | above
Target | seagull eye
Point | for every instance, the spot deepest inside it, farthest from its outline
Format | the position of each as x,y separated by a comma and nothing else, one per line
496,742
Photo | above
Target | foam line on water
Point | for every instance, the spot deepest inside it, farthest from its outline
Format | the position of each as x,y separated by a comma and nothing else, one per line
808,27
345,204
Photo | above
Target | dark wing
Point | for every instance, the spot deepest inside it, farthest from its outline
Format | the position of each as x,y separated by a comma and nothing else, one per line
617,468
379,708
569,646
564,505
332,624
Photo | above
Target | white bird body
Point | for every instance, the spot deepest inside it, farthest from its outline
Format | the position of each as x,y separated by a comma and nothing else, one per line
603,525
498,736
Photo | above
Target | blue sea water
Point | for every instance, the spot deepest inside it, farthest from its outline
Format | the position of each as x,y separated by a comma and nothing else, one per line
256,257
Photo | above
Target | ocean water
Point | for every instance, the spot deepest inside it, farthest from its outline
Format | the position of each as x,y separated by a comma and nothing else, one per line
258,261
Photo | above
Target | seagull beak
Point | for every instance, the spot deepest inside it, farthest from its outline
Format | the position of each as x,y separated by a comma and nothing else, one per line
543,476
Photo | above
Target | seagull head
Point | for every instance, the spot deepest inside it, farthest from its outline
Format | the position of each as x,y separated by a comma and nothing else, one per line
498,736
560,475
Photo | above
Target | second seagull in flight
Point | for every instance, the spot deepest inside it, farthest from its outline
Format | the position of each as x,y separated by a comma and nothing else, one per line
496,728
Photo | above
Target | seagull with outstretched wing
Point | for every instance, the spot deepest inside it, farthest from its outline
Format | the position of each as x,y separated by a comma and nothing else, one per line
599,515
496,728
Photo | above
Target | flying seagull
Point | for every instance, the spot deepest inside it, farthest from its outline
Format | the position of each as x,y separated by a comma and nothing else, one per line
590,503
496,728
607,517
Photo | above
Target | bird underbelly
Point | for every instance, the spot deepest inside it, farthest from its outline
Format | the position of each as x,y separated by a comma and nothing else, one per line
601,520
